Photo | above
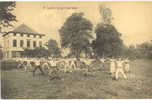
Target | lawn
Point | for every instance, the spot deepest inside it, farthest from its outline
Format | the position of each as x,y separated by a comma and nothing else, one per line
19,84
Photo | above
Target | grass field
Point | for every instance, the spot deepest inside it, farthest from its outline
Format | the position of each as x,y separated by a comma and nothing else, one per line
19,84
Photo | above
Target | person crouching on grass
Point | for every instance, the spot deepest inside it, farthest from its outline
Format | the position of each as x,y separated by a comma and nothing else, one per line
120,69
54,74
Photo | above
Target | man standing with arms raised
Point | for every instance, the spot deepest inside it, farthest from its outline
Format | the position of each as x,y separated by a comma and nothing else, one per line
119,69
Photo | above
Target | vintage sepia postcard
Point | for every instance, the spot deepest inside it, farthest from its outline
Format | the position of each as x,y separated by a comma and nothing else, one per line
76,50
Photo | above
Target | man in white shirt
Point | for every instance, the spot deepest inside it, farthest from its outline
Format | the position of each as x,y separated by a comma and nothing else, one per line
53,63
112,67
72,64
67,67
28,65
127,66
119,69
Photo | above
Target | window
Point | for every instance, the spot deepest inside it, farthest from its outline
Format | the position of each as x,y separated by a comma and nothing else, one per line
28,43
40,36
34,43
21,43
21,35
40,43
14,43
14,34
34,36
28,35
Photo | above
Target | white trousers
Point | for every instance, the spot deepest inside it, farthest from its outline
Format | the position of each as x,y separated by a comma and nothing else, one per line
120,70
127,68
112,69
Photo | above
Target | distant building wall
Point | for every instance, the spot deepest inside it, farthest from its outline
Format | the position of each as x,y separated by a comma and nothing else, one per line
14,43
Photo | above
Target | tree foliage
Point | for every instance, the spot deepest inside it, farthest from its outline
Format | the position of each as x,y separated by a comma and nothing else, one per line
108,42
37,52
53,49
75,33
6,15
145,50
106,14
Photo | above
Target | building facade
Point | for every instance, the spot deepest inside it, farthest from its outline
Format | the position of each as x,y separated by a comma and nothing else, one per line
17,40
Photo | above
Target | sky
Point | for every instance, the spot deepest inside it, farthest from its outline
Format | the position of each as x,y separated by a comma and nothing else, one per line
132,19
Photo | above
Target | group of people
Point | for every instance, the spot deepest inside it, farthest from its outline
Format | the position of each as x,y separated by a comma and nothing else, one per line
50,66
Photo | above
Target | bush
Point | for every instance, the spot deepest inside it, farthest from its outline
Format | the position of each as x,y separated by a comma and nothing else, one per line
9,64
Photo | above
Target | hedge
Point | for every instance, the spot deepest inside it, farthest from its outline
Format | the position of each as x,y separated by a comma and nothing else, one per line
8,64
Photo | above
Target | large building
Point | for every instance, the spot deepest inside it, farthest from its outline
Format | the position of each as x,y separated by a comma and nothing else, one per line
20,38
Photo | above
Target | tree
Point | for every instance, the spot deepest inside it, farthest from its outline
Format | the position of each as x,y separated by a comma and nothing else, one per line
106,14
28,53
130,52
6,15
53,49
145,50
40,52
108,42
76,33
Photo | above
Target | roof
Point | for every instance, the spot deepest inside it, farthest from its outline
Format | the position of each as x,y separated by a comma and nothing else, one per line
23,29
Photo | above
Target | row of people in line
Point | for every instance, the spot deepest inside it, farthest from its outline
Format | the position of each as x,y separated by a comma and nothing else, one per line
69,65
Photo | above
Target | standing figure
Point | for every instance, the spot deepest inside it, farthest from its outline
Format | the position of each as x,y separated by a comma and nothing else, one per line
119,69
112,67
24,65
53,63
72,64
46,67
37,66
66,64
28,65
20,64
67,67
127,66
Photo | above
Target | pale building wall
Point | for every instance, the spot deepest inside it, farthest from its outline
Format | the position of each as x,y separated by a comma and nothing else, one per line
8,43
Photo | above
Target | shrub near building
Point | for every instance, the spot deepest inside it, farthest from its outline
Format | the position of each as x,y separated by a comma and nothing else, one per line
8,64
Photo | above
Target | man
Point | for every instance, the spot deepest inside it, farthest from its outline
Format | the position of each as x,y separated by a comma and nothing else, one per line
112,67
67,67
72,64
28,65
53,63
46,66
127,66
37,66
119,69
20,64
54,74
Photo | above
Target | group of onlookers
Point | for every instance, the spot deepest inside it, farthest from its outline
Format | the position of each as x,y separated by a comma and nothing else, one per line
49,66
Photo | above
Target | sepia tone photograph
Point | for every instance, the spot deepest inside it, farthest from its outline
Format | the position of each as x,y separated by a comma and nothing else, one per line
76,50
